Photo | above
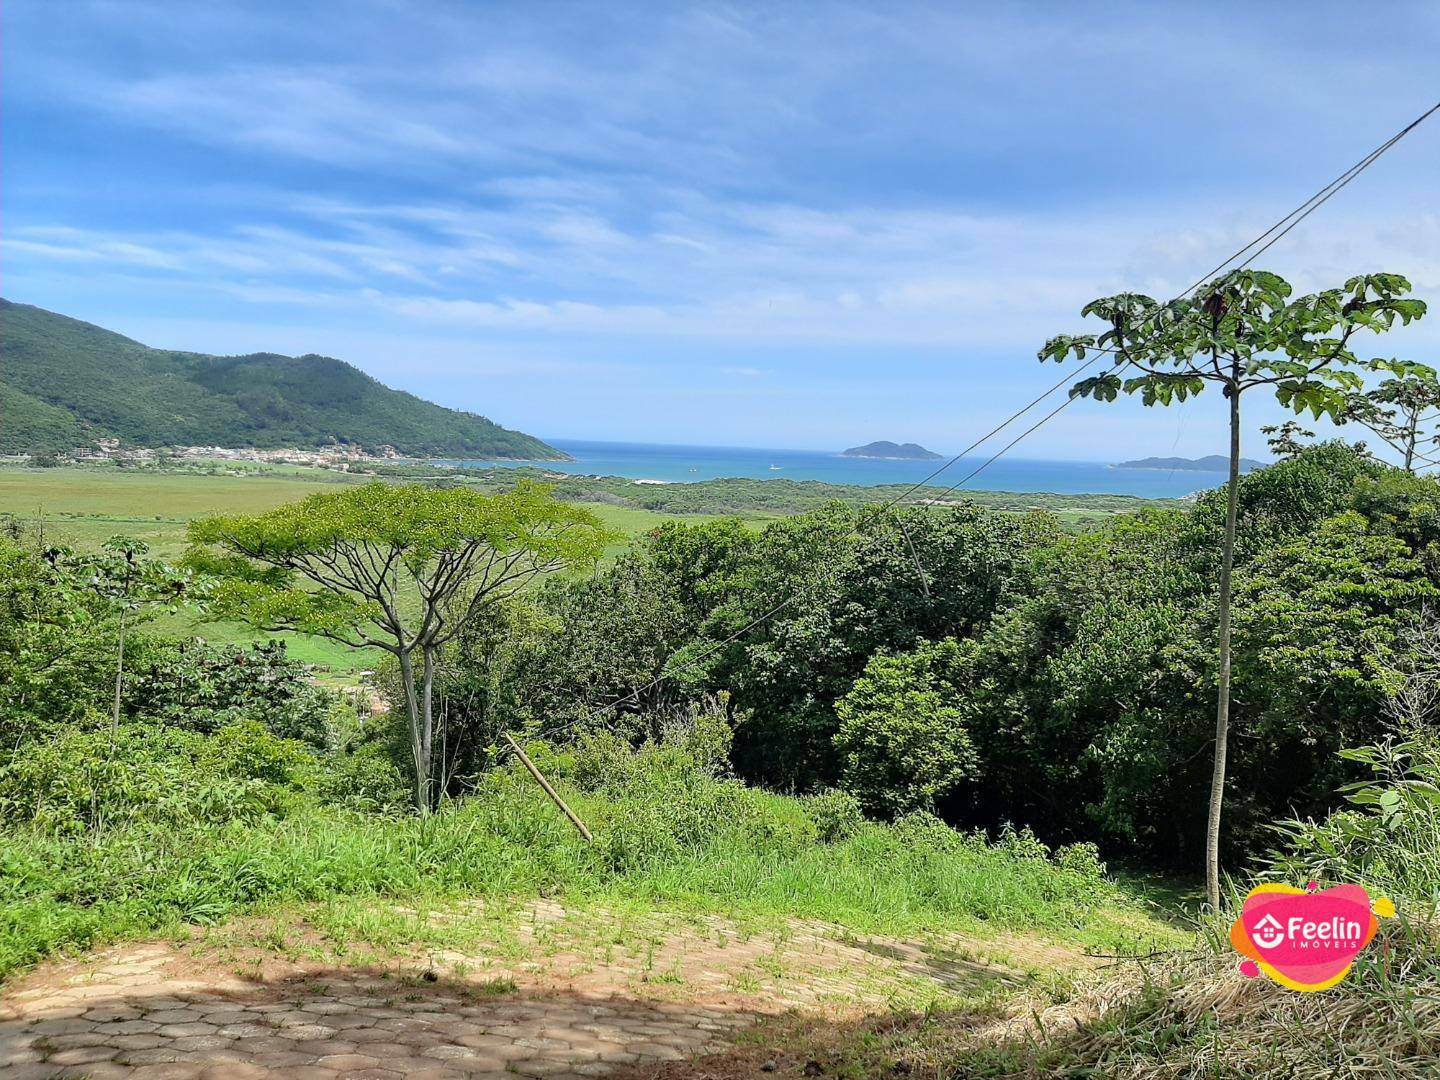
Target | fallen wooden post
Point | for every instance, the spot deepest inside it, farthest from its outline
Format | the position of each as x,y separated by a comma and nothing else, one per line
540,779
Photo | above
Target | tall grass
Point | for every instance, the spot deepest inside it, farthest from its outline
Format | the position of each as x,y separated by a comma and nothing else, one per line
1193,1014
688,840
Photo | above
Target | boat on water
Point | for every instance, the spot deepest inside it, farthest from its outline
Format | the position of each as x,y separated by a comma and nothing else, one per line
776,468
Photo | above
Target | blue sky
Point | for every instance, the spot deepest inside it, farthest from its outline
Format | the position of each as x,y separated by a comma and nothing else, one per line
797,225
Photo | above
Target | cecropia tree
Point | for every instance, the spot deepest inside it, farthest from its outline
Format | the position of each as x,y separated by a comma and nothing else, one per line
1242,331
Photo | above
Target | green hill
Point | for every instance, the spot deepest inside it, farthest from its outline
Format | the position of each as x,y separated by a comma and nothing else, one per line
65,383
892,451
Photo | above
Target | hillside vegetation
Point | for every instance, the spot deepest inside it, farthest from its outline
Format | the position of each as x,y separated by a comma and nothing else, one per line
958,719
65,383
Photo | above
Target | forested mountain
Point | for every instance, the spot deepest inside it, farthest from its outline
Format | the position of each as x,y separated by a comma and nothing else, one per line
65,383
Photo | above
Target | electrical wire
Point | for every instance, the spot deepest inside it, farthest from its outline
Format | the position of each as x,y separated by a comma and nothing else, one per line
1265,240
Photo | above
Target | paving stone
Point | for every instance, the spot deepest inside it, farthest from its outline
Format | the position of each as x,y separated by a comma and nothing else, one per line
316,1048
200,1042
324,1024
347,1062
546,1067
541,1043
450,1052
232,1070
655,1050
305,1032
61,1026
83,1038
82,1055
137,1042
133,1027
362,1036
107,1070
193,1027
111,1015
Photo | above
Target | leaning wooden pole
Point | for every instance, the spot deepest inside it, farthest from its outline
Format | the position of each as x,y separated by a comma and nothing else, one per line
540,779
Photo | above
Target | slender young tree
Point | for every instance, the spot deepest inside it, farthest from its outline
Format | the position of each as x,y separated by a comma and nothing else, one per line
129,583
399,568
1241,331
1404,410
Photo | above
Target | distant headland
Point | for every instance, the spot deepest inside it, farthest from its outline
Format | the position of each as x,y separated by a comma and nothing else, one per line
1213,463
890,451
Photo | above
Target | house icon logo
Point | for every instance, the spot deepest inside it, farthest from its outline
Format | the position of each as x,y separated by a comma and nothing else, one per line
1267,933
1305,939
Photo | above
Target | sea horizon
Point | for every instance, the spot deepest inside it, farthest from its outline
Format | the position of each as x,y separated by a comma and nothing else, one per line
678,463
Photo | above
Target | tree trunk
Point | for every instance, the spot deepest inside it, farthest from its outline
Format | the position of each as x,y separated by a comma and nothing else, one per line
119,683
1222,707
427,723
421,789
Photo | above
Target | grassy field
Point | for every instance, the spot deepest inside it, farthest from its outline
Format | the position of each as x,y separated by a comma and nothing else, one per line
88,505
85,506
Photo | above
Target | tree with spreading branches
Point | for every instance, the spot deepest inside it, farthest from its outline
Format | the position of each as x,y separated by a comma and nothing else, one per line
1242,331
1404,410
404,569
1284,439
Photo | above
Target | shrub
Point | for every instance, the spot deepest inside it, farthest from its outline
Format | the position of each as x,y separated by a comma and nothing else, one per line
152,775
688,752
1388,839
1082,859
1021,843
655,831
203,687
835,814
670,795
922,829
364,779
902,739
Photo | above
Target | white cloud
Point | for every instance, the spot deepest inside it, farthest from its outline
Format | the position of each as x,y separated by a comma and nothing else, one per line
942,187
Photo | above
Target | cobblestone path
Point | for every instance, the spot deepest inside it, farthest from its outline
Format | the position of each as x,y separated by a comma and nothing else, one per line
564,1000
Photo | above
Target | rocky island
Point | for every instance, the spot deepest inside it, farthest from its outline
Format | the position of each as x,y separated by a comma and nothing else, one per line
890,451
1215,463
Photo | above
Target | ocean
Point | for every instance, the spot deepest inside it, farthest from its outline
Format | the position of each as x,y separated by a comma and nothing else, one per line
684,464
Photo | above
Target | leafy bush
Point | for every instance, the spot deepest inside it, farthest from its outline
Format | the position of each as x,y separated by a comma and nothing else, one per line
153,776
52,627
690,750
195,685
836,815
365,779
1082,859
922,829
1388,839
902,738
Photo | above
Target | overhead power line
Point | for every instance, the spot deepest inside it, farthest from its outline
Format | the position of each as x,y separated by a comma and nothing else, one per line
1260,244
1256,247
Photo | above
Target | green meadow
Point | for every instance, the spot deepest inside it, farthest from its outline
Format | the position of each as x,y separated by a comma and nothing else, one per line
84,506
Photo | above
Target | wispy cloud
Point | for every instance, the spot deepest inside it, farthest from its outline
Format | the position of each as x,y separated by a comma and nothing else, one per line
839,199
